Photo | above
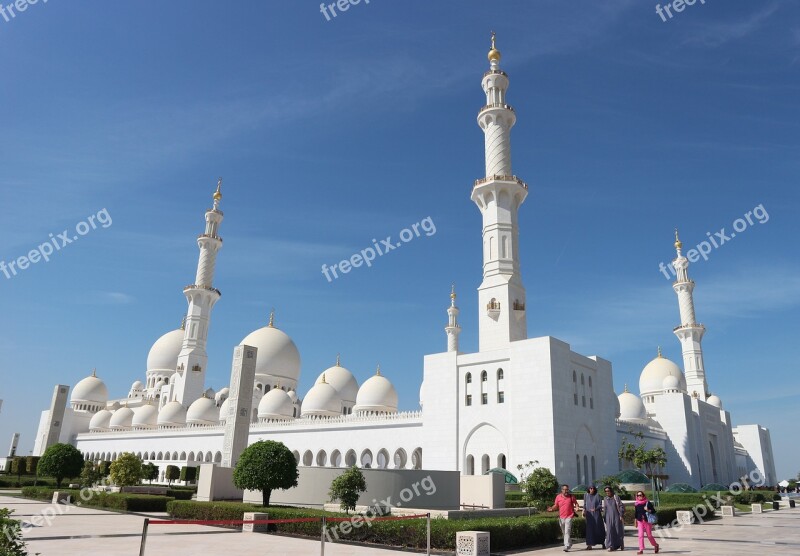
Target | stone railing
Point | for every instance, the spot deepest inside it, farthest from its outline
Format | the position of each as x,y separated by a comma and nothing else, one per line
487,179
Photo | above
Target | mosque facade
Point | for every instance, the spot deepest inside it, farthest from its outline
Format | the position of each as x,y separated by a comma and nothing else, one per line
515,400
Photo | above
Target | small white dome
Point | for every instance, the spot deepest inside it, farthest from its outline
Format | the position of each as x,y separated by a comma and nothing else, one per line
90,390
276,404
651,381
163,355
222,395
172,415
137,386
145,417
122,419
715,401
672,384
322,400
631,407
277,356
101,421
293,395
203,411
343,380
377,395
223,410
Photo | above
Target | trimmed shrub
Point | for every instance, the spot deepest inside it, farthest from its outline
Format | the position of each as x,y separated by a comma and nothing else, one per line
507,533
178,494
172,473
188,474
31,464
19,466
107,500
515,495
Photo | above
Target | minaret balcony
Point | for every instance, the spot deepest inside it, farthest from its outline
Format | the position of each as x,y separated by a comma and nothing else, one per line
688,326
494,107
206,288
493,309
513,179
495,72
209,236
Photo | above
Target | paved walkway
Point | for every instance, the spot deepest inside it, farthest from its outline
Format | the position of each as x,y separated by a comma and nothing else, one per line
88,532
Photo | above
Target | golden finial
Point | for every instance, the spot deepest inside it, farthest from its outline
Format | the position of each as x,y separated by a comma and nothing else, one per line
218,192
323,379
678,243
453,291
338,361
626,388
378,371
659,352
94,373
494,54
272,318
183,324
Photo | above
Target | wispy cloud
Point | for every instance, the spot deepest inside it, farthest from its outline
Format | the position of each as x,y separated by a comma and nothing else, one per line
718,34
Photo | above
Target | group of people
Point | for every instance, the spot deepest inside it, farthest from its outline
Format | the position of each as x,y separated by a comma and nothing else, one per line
604,518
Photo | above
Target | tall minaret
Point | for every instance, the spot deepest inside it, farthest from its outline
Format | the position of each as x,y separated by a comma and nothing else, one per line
201,295
501,295
453,329
690,333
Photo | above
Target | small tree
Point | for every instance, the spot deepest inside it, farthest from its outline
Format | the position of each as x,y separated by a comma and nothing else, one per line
613,482
188,474
347,488
89,475
538,483
150,472
266,465
642,458
126,470
61,461
11,543
32,464
172,474
105,468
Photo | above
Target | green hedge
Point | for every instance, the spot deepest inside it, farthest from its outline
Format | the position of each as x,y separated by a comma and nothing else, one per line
507,533
109,500
180,494
515,495
10,481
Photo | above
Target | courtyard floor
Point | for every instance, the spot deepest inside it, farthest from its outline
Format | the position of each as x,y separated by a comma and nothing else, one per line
84,531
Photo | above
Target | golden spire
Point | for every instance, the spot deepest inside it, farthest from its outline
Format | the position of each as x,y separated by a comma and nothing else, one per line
453,291
378,371
94,373
678,243
338,362
626,387
323,379
659,351
271,323
183,323
218,192
494,54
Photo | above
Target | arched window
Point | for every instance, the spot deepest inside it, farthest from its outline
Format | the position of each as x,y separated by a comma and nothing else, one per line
484,387
578,468
583,390
585,470
591,394
594,472
484,376
468,378
382,459
336,459
308,458
366,459
400,459
322,458
484,464
350,458
575,387
470,470
501,461
416,458
501,395
499,374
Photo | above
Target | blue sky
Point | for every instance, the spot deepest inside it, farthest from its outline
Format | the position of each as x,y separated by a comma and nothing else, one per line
331,133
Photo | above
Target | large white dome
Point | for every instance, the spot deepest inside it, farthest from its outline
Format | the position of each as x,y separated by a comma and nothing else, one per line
651,381
90,390
276,404
122,419
631,407
322,400
163,355
203,411
376,395
343,380
277,355
145,417
100,421
172,415
223,410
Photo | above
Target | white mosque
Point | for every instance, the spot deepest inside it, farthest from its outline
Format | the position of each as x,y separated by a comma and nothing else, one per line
517,399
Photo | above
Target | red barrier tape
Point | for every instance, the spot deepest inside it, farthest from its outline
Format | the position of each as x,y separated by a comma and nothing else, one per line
365,518
233,521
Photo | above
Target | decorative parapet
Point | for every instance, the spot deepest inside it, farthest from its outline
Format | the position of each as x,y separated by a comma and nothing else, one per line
207,288
487,179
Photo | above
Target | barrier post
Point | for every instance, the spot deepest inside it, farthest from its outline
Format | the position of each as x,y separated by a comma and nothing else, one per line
144,535
428,552
322,539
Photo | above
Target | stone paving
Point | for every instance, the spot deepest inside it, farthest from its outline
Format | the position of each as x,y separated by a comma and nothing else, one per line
84,531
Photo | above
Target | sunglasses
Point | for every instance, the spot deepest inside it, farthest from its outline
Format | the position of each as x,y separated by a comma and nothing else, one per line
640,496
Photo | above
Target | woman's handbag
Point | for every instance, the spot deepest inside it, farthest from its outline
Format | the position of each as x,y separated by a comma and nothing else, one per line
652,518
